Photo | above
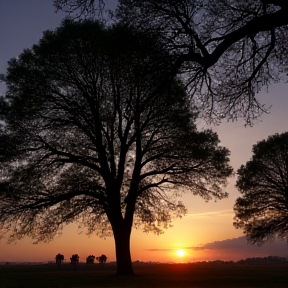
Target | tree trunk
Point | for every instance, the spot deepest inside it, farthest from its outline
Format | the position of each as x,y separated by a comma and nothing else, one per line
122,235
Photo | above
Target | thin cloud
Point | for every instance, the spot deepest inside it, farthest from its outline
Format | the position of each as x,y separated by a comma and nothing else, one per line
213,214
236,246
160,250
240,244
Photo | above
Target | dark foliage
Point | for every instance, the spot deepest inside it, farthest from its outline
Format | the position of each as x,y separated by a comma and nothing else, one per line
262,211
91,136
226,51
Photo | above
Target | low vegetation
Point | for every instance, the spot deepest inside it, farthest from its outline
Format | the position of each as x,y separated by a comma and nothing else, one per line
206,274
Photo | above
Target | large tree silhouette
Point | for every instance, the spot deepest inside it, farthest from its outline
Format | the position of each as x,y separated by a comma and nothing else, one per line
262,210
89,135
226,50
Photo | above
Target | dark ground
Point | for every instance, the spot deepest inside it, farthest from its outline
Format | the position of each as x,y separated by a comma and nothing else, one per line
195,275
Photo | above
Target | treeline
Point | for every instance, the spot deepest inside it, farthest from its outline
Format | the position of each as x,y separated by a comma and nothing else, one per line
269,259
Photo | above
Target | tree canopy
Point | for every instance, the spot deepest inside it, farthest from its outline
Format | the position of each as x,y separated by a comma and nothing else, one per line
89,135
262,210
225,50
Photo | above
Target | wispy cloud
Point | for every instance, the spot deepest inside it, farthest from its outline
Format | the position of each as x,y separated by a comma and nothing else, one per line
236,246
160,250
220,213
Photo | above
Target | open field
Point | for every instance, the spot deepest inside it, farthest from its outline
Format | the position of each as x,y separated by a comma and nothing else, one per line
197,275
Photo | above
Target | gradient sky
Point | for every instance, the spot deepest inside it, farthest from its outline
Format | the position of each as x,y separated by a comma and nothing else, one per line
21,25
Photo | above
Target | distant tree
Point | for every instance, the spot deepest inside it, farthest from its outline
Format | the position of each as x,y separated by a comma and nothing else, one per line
89,135
226,50
59,258
102,259
262,211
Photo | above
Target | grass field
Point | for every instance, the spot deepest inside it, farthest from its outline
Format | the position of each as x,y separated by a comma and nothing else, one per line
198,275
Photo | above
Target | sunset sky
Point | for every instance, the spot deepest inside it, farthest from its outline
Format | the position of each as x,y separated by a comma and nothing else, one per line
21,25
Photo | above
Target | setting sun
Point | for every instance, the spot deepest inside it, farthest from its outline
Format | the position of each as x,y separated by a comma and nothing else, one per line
180,253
